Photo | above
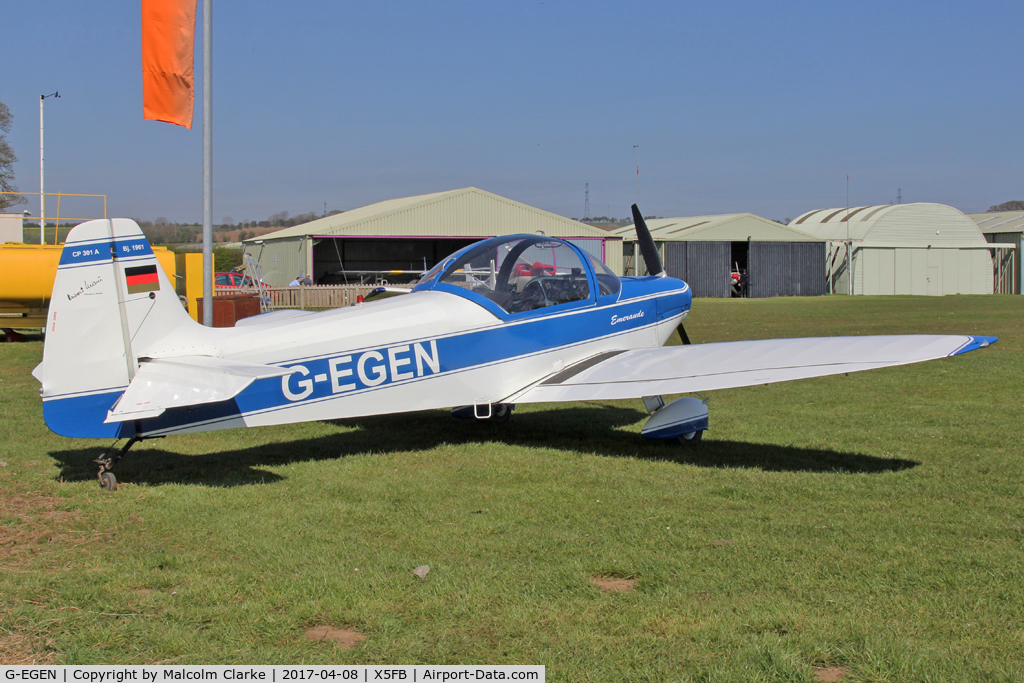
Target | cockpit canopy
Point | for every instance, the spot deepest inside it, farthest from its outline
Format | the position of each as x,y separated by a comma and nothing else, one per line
523,272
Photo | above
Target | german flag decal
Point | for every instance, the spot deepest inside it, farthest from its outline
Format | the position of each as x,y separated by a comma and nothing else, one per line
142,279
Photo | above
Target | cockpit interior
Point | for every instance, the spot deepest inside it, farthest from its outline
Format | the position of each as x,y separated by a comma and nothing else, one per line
521,274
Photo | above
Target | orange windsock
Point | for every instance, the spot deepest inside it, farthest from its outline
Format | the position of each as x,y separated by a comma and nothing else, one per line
168,49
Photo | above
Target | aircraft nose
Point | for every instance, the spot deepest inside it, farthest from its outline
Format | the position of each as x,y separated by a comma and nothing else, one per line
674,300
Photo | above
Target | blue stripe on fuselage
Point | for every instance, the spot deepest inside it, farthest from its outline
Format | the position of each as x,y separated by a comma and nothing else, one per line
339,375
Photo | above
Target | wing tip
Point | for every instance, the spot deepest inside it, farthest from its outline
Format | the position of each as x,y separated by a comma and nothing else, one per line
974,344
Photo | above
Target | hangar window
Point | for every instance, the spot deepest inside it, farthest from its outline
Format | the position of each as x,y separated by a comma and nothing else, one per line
523,274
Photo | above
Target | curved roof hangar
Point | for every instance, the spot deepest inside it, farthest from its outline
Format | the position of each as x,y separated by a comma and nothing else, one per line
894,225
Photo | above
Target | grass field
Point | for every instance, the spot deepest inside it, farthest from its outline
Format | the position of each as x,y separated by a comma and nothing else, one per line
866,527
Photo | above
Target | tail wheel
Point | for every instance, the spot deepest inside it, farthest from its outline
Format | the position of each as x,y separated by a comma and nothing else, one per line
108,482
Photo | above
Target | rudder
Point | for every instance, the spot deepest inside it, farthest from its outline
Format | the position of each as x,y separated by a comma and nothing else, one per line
110,300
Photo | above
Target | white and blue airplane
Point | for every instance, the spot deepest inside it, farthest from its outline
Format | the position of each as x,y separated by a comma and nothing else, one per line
509,320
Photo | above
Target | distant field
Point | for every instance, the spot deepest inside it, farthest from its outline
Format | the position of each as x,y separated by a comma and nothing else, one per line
869,527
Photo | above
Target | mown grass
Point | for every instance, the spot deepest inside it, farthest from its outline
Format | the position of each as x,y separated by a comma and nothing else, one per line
872,522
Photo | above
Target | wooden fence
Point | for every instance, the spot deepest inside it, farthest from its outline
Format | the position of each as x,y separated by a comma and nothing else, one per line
315,297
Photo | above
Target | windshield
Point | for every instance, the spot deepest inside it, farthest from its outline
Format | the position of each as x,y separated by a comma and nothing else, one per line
521,273
607,281
432,273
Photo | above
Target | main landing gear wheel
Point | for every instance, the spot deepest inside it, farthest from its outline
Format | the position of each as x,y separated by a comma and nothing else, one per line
500,413
108,482
691,439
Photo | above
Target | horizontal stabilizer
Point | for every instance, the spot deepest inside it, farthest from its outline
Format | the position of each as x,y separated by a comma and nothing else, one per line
163,383
726,365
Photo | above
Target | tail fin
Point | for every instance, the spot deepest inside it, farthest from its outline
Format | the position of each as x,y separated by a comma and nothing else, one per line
111,300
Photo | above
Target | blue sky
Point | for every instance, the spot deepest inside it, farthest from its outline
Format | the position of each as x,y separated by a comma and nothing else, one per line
735,106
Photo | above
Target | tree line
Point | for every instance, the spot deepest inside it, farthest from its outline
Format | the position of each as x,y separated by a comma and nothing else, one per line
1015,205
7,160
163,231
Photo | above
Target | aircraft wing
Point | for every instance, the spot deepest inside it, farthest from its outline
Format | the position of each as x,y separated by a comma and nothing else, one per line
163,383
725,365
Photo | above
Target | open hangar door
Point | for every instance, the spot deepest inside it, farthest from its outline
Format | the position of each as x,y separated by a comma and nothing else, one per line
398,260
786,269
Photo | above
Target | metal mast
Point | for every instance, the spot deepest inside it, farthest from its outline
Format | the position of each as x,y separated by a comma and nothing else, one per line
586,203
849,244
42,192
207,162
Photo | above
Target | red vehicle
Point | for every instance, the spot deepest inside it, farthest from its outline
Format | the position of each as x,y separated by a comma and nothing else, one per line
222,280
536,270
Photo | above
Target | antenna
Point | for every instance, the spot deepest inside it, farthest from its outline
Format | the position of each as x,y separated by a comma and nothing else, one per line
899,195
586,203
849,265
637,149
42,193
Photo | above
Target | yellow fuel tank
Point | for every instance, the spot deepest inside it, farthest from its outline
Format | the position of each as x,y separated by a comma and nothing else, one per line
27,272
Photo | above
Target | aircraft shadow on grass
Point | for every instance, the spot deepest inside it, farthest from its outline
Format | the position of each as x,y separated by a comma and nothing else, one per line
589,428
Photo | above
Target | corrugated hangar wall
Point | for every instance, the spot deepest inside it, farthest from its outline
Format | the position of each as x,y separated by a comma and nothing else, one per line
703,265
704,251
283,260
773,268
786,269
